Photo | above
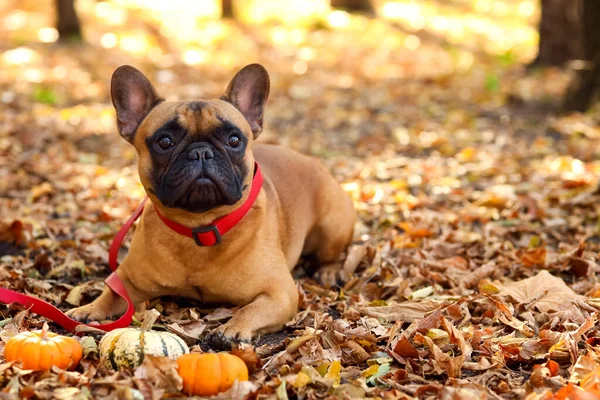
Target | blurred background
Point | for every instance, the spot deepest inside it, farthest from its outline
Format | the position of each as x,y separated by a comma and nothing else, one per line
366,85
60,54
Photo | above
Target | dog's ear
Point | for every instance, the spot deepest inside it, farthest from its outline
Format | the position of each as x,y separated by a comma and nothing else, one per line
248,92
133,97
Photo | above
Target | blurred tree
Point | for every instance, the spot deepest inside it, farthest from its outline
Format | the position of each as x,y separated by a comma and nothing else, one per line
354,5
227,8
559,32
586,85
67,22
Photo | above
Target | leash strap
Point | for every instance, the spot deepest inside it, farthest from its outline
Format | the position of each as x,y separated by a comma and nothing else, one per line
113,281
204,236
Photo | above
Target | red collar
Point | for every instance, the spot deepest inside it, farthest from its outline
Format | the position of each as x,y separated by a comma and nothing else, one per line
210,235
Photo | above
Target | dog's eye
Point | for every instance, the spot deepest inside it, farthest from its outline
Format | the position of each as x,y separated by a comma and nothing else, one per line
165,142
234,141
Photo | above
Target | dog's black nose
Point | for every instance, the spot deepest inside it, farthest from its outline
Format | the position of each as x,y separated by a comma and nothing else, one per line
200,153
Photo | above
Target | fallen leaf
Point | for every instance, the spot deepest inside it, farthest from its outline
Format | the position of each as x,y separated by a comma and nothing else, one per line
13,233
407,311
382,369
75,295
452,365
282,391
40,190
413,232
333,373
190,331
405,349
89,345
161,372
533,257
355,256
302,379
239,391
557,296
248,355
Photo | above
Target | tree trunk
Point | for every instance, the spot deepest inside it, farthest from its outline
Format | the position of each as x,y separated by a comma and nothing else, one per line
559,32
227,8
586,84
67,22
365,6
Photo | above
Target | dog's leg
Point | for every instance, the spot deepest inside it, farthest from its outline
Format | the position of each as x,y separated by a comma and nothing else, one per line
330,272
108,304
267,313
333,235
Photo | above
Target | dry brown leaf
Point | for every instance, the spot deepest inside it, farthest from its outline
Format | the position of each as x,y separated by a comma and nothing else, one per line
407,311
557,296
584,366
13,233
452,365
355,256
473,279
75,295
161,372
457,337
248,355
190,331
239,391
533,257
405,349
353,353
457,262
414,232
40,190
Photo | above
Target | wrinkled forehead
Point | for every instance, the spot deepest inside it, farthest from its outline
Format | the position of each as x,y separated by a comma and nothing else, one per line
193,116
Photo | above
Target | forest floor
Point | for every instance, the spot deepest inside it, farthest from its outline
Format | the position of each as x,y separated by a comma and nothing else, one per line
473,273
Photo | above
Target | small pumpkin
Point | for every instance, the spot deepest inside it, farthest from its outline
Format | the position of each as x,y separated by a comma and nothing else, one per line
39,350
210,373
126,347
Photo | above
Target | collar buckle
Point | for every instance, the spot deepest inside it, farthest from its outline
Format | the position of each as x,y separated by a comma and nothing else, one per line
202,234
202,230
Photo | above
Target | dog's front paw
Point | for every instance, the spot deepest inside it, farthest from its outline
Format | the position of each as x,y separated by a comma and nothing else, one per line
330,275
87,313
226,337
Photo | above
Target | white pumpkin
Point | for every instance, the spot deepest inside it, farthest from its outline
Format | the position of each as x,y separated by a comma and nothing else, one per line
126,347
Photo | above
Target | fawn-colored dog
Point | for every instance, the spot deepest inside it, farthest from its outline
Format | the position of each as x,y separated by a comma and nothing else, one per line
200,168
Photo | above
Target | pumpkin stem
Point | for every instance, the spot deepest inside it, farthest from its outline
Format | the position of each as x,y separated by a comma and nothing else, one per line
45,328
150,317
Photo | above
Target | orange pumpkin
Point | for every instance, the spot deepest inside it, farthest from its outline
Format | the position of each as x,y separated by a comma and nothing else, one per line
40,350
208,374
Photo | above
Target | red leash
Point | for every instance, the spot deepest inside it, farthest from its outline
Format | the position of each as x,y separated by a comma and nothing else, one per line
208,235
47,310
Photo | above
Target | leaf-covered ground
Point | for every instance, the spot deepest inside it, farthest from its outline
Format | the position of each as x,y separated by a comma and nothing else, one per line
474,268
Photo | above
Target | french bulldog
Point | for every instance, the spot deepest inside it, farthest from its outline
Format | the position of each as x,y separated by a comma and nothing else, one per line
199,166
